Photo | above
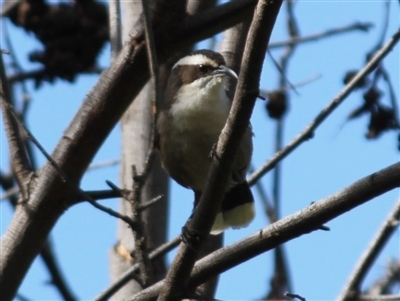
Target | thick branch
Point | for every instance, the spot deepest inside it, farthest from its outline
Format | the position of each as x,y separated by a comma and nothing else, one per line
303,222
246,93
99,113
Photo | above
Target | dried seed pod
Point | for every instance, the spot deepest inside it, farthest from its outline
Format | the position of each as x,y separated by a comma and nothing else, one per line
276,104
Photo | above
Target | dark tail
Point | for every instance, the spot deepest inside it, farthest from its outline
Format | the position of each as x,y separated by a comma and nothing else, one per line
237,209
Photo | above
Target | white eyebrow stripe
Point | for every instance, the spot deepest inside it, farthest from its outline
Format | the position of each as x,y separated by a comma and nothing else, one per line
196,59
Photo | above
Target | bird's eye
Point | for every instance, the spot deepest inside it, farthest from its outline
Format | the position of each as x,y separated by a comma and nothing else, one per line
204,68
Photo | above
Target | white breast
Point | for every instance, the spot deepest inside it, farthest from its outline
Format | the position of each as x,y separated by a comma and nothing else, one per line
198,116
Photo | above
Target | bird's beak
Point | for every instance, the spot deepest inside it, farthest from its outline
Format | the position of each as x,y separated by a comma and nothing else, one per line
225,71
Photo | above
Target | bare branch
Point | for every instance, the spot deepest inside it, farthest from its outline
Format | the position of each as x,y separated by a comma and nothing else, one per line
247,91
104,164
100,195
385,27
46,253
154,71
392,94
94,121
266,202
308,132
379,298
9,193
15,63
295,296
295,225
159,252
105,209
57,279
151,51
390,279
353,284
38,145
144,206
328,33
20,162
281,281
287,87
40,73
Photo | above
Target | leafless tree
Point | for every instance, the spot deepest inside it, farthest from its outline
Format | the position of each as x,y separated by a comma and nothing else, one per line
146,38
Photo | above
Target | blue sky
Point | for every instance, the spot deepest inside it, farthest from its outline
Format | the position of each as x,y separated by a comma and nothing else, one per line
337,156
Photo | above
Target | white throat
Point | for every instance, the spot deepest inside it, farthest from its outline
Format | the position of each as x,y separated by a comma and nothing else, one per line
202,103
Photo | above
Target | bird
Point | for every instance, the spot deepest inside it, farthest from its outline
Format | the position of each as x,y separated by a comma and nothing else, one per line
196,107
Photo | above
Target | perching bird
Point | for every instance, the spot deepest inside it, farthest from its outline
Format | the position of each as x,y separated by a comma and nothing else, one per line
196,109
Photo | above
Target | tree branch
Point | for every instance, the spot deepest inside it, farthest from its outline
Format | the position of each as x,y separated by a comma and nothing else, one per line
57,278
387,281
295,225
325,34
19,159
308,132
379,298
353,285
247,91
280,281
98,114
160,251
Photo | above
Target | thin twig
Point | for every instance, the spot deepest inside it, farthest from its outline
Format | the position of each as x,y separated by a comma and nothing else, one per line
104,164
386,17
153,67
124,278
267,204
17,66
308,132
294,296
57,278
283,75
287,87
389,226
330,32
379,298
10,192
100,195
391,278
281,279
11,51
20,162
144,206
37,143
39,73
116,188
392,94
111,212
